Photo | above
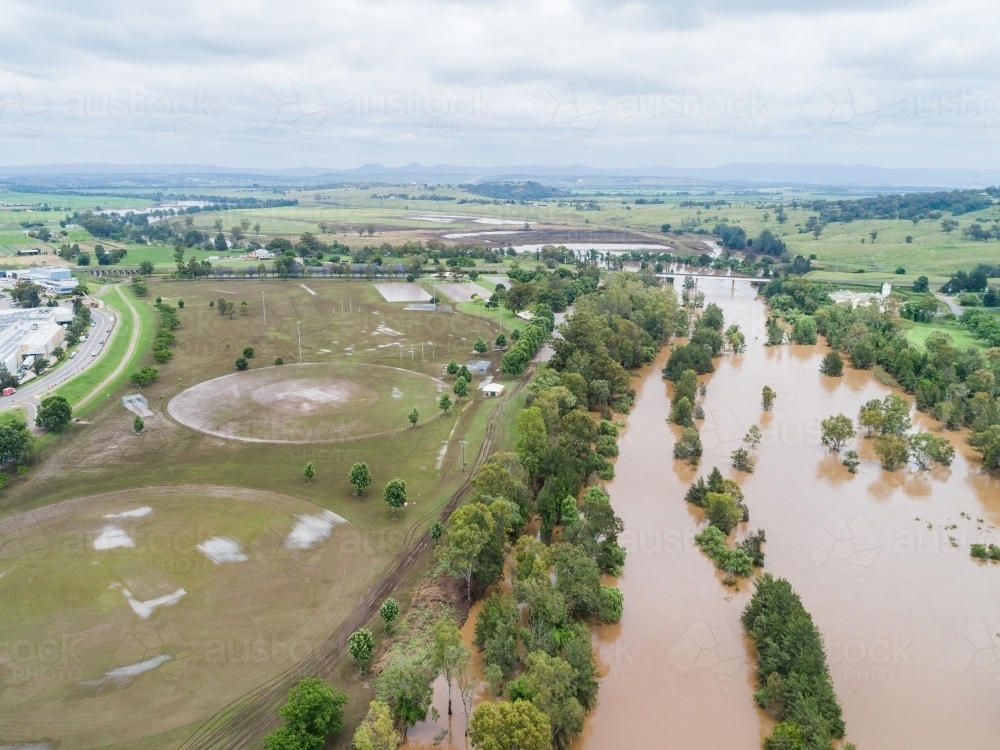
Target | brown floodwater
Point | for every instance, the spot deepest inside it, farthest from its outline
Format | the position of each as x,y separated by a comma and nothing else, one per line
911,622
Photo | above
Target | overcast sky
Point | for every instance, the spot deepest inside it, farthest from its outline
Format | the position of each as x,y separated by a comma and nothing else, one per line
340,84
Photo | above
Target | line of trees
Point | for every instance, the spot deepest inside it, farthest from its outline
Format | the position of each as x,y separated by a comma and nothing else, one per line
793,680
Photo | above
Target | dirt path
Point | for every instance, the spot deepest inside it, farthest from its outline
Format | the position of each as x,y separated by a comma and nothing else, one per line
137,329
244,721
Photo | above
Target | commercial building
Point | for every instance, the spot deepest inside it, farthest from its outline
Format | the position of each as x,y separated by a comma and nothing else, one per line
57,279
31,333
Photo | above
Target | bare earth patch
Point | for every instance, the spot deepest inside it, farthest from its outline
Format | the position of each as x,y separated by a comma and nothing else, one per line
318,402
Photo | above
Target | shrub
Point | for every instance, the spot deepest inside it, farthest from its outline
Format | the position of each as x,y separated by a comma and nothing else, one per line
242,363
279,361
742,460
722,511
610,605
713,543
832,365
361,644
607,446
752,545
681,412
389,611
145,376
248,352
688,446
892,450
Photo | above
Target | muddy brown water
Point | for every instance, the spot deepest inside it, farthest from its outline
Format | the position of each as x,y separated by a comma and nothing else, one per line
911,623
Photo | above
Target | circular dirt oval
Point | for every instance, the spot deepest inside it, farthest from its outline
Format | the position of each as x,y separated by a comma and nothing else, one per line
135,613
326,402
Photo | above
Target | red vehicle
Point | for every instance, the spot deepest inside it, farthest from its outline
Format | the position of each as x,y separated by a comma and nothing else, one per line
9,391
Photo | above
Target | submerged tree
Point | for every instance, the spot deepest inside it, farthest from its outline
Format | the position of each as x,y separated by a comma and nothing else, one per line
767,396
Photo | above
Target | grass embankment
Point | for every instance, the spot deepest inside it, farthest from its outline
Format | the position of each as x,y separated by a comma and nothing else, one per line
82,385
960,335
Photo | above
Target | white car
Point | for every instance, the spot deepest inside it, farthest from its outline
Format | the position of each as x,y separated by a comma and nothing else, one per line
93,354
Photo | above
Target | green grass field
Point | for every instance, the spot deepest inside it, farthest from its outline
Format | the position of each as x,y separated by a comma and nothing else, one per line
206,480
131,600
959,334
345,214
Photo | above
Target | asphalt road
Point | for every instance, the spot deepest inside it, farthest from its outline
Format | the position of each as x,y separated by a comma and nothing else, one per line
30,394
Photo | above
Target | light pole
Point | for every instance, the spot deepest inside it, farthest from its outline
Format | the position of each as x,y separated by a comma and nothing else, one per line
463,443
263,307
298,324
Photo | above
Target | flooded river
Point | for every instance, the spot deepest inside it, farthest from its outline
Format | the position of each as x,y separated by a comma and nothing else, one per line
910,622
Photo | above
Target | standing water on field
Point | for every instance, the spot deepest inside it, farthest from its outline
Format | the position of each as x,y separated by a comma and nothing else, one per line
911,623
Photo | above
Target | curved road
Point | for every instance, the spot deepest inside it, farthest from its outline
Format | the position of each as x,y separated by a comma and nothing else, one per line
88,352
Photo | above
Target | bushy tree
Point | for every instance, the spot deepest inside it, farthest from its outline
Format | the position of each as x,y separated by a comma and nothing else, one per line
361,644
314,712
54,414
688,446
836,431
480,346
504,725
413,417
681,411
925,448
892,450
405,685
444,403
832,364
377,731
767,397
394,494
389,611
309,471
137,424
360,477
242,363
722,511
742,460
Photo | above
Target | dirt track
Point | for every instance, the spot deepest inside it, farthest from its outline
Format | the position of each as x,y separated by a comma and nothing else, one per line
248,718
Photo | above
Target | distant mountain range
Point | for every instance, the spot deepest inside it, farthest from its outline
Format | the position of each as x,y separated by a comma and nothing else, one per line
746,174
